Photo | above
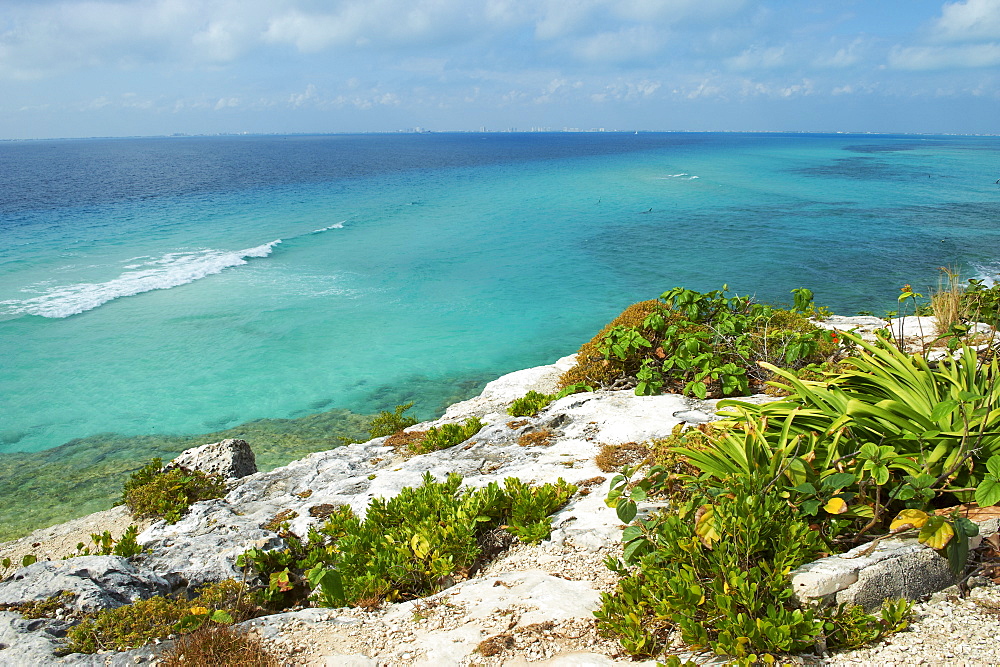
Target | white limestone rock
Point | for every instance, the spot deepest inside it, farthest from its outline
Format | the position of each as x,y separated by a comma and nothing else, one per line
98,582
233,459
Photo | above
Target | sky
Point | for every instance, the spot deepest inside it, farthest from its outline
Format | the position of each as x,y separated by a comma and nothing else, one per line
82,68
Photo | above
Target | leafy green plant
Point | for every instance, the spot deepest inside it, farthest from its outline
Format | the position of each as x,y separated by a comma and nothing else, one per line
105,545
387,423
703,344
534,402
143,621
530,404
885,433
408,546
715,570
167,495
446,435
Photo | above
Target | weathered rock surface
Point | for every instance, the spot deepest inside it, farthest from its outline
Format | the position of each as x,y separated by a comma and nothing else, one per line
230,458
98,582
29,641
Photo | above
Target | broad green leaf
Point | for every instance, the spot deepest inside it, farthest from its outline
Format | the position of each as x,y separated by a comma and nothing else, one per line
838,480
957,551
988,492
630,533
220,616
993,465
880,474
626,511
966,527
936,532
420,546
869,451
942,409
909,519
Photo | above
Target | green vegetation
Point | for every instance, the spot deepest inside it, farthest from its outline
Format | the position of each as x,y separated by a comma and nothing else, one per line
446,435
704,344
151,492
406,547
880,443
715,570
534,402
145,620
104,545
388,423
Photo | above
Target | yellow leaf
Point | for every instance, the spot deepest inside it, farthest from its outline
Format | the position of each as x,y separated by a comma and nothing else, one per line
420,546
936,533
199,611
704,525
835,506
908,519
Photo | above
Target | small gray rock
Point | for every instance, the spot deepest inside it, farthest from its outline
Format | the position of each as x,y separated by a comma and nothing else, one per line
29,641
98,582
230,458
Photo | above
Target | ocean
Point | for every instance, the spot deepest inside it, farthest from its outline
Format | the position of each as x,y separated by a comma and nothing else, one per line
157,288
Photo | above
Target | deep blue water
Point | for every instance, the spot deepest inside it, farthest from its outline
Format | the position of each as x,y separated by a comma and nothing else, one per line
184,285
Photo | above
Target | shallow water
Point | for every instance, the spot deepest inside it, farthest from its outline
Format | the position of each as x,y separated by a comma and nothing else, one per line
189,285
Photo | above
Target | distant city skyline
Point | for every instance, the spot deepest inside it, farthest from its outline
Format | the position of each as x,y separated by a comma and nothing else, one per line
83,68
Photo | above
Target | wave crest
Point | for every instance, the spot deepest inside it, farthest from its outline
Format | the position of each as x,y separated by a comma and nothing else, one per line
171,270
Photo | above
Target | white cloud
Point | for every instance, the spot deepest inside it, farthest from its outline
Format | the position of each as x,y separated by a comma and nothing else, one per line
227,103
919,58
969,21
846,56
622,46
757,58
298,99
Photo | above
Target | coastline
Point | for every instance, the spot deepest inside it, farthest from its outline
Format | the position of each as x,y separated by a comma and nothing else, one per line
534,603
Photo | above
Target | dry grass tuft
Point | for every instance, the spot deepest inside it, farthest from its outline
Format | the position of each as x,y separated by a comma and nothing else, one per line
946,301
540,438
591,368
219,646
614,457
404,442
495,645
274,523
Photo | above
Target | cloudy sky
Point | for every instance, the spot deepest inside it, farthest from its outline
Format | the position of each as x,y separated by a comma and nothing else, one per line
71,68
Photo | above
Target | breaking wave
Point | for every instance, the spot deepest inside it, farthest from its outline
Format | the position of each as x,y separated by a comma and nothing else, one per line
170,270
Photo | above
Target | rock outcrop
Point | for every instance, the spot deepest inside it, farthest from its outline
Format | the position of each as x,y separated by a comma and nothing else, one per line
96,582
233,459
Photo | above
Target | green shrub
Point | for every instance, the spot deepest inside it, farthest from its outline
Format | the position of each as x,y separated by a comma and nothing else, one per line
534,402
388,423
152,493
530,404
701,344
406,547
143,621
104,545
716,571
447,435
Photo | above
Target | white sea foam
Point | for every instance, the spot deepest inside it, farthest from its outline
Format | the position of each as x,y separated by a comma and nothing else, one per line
339,225
170,270
988,274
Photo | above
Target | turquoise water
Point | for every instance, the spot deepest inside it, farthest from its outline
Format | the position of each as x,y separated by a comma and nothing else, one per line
178,286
